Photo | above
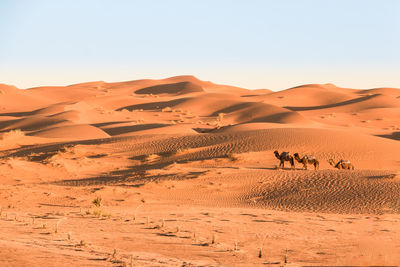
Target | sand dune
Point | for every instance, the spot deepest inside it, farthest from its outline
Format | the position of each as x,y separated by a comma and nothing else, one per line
395,92
172,88
261,112
14,100
190,164
310,95
74,132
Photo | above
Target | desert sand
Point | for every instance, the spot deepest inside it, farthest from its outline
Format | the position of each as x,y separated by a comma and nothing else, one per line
181,172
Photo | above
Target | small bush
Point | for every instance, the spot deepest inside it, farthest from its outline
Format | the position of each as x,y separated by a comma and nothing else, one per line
97,201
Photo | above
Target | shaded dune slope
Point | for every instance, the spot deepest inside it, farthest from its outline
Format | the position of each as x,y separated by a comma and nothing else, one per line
173,88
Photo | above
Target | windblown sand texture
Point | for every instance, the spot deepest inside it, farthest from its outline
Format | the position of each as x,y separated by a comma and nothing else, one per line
185,175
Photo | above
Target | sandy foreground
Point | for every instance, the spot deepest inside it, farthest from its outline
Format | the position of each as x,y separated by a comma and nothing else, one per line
181,172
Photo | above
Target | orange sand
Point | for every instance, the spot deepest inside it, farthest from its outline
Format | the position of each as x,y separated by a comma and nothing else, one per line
187,176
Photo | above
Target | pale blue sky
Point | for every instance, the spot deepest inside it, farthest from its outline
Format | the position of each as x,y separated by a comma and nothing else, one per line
272,44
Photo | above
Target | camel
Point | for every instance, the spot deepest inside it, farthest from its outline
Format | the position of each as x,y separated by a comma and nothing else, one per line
307,160
284,156
342,164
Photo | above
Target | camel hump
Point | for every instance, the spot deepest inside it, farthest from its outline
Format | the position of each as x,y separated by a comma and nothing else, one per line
285,154
310,157
345,161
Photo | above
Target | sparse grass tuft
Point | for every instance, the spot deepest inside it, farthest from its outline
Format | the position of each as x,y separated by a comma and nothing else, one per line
100,213
97,201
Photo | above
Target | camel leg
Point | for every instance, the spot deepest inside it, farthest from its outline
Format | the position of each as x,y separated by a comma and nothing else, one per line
305,166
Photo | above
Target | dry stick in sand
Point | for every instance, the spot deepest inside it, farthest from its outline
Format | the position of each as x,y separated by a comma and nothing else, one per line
194,236
285,258
261,240
141,204
114,255
58,222
214,239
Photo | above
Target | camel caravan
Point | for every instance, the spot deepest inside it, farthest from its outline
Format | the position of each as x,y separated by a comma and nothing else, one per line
309,160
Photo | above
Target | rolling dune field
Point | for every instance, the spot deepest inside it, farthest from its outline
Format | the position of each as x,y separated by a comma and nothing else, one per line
182,172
